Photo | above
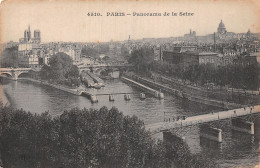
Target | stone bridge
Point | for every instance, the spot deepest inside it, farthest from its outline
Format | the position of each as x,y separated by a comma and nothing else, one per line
98,68
14,73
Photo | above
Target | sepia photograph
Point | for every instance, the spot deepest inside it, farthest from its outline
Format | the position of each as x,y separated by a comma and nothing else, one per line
129,84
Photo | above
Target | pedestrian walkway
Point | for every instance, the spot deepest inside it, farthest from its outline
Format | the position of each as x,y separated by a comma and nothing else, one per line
200,119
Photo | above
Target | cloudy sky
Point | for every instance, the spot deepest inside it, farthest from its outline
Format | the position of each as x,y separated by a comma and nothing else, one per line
68,21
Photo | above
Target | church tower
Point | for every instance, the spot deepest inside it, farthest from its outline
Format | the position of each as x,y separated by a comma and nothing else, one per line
29,33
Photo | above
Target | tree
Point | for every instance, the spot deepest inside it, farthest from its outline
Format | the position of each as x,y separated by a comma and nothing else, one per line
87,51
10,57
142,58
83,138
103,48
73,72
61,70
125,52
60,65
45,72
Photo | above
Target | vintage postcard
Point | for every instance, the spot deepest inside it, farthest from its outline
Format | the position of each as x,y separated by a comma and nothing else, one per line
140,84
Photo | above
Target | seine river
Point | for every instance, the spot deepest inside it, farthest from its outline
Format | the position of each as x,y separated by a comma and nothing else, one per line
237,149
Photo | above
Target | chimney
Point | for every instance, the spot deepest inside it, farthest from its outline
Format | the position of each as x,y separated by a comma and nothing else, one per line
214,42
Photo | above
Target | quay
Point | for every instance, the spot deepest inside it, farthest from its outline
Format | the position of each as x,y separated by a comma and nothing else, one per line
4,98
103,94
96,79
94,97
77,92
91,97
86,79
181,93
217,94
147,89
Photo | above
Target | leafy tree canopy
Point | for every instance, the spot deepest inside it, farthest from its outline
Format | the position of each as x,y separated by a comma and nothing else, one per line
142,58
10,57
84,138
61,68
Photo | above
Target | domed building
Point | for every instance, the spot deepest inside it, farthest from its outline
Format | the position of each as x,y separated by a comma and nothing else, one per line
248,33
221,28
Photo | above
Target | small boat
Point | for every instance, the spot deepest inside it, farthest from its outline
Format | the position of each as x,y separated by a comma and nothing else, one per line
127,97
142,96
161,95
97,86
111,98
93,99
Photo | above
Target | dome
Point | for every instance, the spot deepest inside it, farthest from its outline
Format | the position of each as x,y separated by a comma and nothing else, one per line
221,25
248,32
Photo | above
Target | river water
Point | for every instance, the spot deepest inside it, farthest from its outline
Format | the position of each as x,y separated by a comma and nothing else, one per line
237,149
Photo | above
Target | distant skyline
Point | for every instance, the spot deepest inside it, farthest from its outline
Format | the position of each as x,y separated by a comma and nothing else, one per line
68,21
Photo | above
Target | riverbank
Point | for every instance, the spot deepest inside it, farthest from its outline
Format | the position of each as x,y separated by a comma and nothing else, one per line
77,91
3,97
181,92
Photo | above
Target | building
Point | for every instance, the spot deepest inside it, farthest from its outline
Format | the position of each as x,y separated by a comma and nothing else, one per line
182,49
157,53
30,53
33,60
28,36
191,36
189,55
46,59
74,53
253,58
77,54
229,56
209,57
181,55
222,35
221,28
185,59
37,36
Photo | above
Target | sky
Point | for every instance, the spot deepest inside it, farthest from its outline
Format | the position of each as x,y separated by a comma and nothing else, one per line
68,20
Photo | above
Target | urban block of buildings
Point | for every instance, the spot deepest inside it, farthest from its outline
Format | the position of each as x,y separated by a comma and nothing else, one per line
32,53
219,48
227,48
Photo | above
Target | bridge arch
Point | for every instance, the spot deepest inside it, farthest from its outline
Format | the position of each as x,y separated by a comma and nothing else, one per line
111,69
18,74
99,70
9,74
14,73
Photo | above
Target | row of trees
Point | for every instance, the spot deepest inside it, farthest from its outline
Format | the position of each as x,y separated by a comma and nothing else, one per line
244,76
61,70
85,138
